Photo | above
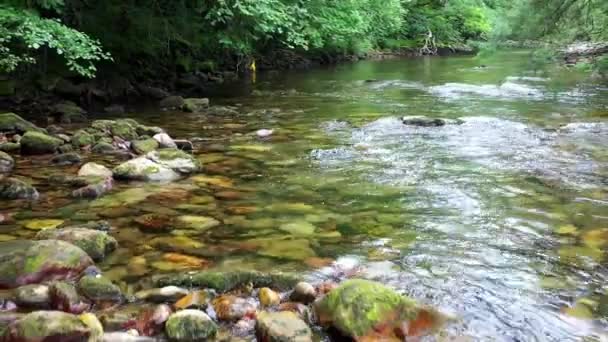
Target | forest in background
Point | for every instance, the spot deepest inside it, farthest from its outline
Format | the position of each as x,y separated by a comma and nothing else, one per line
148,37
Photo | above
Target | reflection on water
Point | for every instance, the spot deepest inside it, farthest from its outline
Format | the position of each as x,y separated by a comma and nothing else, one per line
501,220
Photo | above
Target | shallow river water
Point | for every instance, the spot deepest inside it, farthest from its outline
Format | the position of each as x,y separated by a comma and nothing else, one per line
501,221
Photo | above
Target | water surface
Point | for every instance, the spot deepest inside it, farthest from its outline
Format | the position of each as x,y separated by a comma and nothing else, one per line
501,221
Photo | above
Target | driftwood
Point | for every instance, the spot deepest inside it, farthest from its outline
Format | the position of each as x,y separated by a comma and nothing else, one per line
430,46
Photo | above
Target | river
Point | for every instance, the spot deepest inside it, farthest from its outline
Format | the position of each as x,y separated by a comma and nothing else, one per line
500,220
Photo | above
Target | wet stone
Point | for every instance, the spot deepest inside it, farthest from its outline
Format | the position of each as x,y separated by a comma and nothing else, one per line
232,308
304,293
64,297
99,289
94,170
66,159
39,143
48,326
163,294
190,325
97,244
7,163
33,296
282,327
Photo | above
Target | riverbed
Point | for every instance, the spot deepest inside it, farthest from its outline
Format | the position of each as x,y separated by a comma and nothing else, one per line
500,220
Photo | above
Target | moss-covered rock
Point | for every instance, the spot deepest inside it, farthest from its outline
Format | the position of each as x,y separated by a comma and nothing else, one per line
281,327
144,169
175,159
39,143
144,146
11,122
225,281
10,147
365,309
190,325
12,188
66,158
148,130
29,262
48,326
64,297
194,105
96,243
92,169
33,296
99,289
171,102
68,112
103,148
83,138
7,163
125,129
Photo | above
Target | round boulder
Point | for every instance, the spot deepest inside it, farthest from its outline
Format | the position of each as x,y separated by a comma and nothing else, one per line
12,188
282,326
96,243
39,143
30,262
190,325
48,326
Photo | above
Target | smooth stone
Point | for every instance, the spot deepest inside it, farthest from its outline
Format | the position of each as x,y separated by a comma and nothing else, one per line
42,224
99,289
64,297
299,228
176,160
94,190
66,159
194,300
303,292
94,170
26,262
264,133
7,163
232,308
163,294
39,143
12,188
97,244
268,297
142,168
198,223
33,296
190,325
164,140
49,326
282,326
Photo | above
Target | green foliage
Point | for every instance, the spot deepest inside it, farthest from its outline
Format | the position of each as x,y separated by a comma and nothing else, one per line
23,34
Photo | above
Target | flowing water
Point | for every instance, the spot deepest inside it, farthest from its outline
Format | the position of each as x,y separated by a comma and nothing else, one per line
501,221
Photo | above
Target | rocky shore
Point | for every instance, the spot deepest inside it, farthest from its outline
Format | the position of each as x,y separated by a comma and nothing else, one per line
54,289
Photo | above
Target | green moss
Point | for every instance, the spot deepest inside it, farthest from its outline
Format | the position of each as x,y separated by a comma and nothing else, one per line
172,153
99,288
82,138
225,281
13,122
39,143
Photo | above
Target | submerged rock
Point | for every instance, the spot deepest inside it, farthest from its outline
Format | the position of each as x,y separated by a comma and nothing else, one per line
12,188
96,243
163,294
99,289
190,325
49,326
225,281
282,326
94,190
7,163
39,143
268,297
363,309
66,159
29,262
424,121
